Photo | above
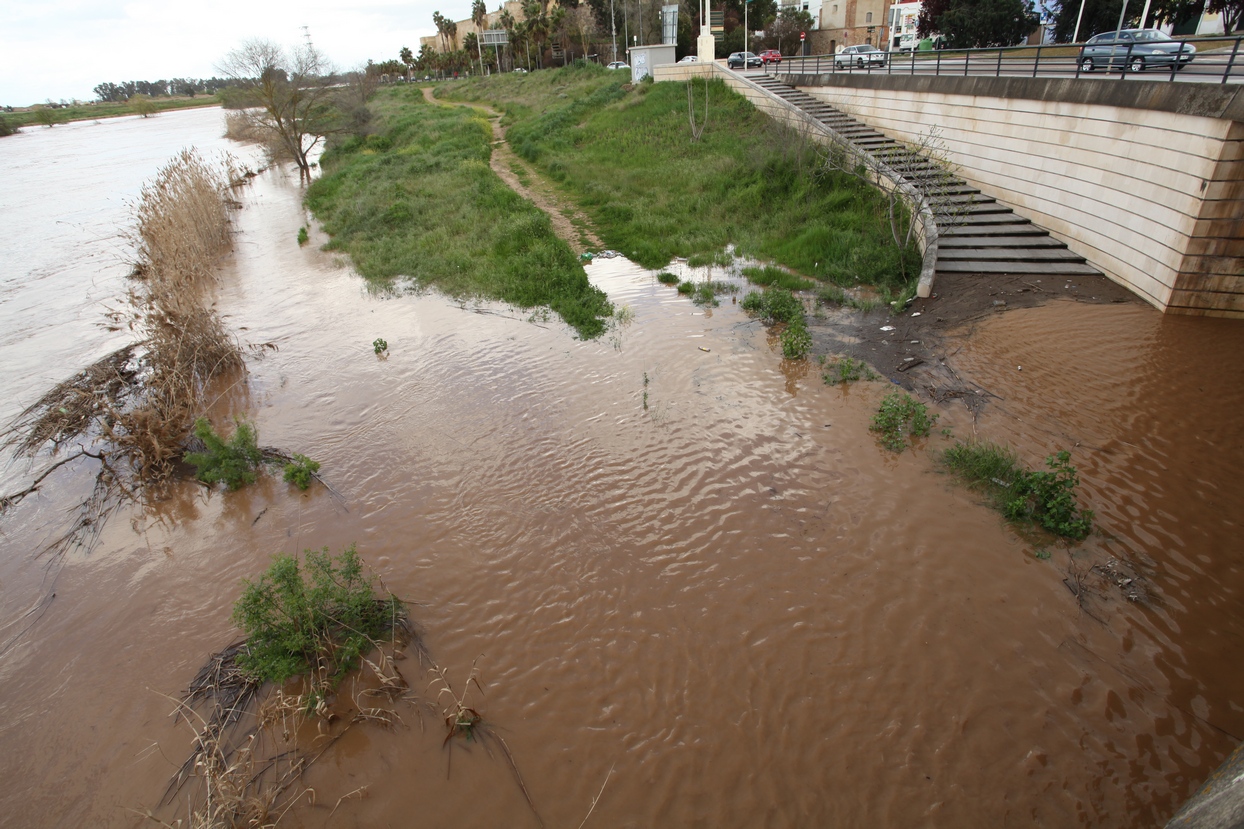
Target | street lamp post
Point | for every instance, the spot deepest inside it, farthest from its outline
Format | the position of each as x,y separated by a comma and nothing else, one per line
745,32
1076,37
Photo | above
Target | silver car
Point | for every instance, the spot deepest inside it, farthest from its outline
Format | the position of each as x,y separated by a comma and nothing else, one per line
860,56
1137,49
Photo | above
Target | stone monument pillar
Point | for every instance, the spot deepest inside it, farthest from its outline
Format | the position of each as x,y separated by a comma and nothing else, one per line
705,44
706,48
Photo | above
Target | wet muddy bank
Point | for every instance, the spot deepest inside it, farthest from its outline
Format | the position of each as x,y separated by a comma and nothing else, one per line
915,349
732,605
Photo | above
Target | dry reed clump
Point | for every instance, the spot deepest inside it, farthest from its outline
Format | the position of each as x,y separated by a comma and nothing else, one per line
142,400
182,228
255,740
245,127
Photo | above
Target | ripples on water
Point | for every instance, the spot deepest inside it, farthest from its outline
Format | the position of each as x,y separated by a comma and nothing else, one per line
734,599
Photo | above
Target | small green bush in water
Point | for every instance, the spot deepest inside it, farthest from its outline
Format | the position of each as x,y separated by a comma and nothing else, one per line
898,417
233,463
302,236
796,341
774,305
847,370
667,278
1049,498
319,615
1044,498
300,470
777,305
380,345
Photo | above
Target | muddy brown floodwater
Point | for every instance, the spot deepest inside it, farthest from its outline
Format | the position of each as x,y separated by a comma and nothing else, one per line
732,606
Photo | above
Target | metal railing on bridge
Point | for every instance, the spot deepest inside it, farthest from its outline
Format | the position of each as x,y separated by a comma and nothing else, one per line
1210,60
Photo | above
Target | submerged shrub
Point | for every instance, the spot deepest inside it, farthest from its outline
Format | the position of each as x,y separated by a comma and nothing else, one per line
796,341
1046,498
300,471
778,306
667,278
318,616
233,463
1049,499
847,370
774,305
900,417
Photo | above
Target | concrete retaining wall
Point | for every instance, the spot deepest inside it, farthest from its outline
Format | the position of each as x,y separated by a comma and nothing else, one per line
1145,180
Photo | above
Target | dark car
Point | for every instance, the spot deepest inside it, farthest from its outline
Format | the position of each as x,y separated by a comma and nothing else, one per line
739,60
860,56
1137,49
770,56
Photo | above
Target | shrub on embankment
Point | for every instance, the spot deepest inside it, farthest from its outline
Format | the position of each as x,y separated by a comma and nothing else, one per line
419,200
627,156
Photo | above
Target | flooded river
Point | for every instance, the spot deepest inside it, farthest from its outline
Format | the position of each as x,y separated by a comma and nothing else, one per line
730,608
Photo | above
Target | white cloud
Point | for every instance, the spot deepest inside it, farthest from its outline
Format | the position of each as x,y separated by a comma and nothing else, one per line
63,48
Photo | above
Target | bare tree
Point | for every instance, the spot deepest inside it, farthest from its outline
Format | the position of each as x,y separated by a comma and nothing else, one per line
285,96
582,21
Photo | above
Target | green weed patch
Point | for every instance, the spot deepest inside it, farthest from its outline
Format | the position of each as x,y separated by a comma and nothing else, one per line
848,370
1043,497
780,307
900,418
318,616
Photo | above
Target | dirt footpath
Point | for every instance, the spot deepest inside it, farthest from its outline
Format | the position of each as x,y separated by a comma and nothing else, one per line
568,223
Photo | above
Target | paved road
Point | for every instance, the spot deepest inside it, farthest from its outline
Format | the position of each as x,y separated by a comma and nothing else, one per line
1208,67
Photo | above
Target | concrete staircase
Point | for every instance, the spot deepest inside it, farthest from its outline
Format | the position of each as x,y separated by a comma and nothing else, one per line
977,235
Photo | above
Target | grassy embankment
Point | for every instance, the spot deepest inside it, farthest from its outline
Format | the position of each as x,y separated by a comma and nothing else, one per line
419,200
628,158
90,112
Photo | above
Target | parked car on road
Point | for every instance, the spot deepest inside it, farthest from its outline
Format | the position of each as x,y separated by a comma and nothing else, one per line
690,59
618,64
860,56
741,60
1137,49
770,56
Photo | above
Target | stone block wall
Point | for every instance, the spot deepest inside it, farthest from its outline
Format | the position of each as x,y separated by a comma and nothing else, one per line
1144,179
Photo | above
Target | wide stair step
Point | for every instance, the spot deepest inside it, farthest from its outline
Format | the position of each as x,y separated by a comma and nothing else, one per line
976,234
1008,267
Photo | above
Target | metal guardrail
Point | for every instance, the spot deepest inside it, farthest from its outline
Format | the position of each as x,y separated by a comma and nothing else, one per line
1217,60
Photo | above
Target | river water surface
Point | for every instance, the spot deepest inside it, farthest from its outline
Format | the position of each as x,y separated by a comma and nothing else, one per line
729,608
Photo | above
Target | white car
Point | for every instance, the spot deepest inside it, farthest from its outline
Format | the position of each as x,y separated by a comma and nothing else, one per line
618,64
690,59
859,57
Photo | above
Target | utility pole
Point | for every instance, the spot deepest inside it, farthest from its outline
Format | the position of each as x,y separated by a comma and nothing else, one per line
613,22
1076,37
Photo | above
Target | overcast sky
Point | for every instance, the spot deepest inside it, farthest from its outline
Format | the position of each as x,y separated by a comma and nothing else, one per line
62,48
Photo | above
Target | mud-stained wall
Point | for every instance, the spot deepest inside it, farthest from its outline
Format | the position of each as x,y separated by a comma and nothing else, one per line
1145,180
